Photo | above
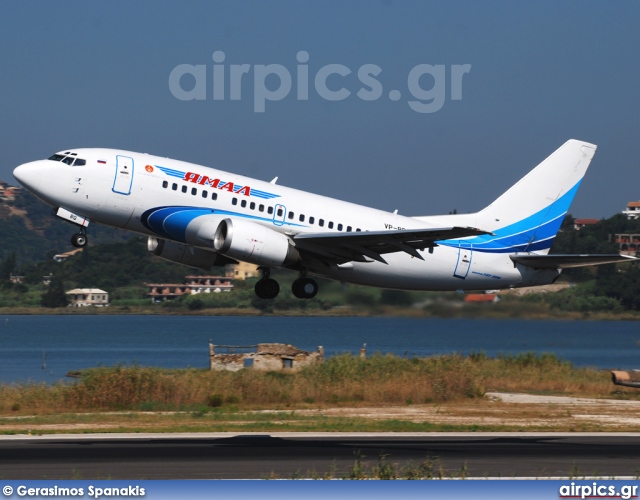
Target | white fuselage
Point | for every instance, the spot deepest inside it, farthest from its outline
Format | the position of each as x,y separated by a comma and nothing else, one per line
116,188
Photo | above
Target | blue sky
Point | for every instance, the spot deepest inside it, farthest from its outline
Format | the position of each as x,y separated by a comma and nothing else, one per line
89,74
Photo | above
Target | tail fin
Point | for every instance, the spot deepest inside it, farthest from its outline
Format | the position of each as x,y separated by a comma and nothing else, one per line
528,216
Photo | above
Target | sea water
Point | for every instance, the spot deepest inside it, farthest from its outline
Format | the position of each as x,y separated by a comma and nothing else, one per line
46,348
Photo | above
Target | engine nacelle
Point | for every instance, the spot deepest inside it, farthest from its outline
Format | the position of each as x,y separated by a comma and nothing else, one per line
201,230
253,243
185,254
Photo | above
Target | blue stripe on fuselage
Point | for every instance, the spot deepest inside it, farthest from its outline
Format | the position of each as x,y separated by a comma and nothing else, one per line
171,222
533,233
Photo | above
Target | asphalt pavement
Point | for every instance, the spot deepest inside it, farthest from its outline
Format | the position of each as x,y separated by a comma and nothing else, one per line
290,455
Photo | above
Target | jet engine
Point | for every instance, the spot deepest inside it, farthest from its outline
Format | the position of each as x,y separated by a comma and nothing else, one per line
201,230
185,254
251,242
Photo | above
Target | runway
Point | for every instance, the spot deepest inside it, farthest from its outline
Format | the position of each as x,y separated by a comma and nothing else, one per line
290,455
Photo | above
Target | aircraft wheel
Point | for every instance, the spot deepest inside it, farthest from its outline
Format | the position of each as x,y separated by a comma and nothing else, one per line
267,288
304,288
296,288
79,240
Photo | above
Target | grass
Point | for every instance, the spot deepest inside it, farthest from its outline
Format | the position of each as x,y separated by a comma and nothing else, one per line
141,398
340,380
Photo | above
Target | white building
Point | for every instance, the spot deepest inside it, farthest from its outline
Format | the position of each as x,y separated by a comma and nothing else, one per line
80,297
633,210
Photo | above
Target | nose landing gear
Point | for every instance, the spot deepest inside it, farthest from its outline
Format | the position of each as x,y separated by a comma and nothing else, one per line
80,240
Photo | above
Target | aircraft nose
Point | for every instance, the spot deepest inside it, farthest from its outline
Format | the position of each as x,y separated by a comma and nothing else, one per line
30,175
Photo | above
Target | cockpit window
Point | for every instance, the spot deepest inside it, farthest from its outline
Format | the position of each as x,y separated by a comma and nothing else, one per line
69,160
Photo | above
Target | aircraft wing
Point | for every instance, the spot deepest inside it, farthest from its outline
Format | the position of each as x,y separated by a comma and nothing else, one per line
564,261
358,246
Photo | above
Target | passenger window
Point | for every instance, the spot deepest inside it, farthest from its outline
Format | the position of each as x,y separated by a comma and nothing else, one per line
348,229
301,217
339,227
165,184
214,196
204,194
234,201
358,230
261,208
194,191
312,220
243,203
330,225
290,216
252,205
174,186
270,210
184,189
321,222
279,212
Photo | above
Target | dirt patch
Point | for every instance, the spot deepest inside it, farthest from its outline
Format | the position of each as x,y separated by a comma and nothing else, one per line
506,411
512,410
526,290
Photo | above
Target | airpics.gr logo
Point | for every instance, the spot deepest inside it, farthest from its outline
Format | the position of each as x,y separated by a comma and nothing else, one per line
427,84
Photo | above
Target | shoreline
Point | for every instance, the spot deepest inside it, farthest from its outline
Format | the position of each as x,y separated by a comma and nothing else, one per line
484,312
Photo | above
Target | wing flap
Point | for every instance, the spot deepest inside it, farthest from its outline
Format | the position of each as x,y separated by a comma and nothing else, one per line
358,246
562,261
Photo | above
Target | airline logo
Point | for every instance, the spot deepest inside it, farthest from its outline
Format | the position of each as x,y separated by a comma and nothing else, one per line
206,181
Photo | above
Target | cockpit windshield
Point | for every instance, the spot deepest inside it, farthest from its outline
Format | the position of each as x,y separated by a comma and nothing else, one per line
69,159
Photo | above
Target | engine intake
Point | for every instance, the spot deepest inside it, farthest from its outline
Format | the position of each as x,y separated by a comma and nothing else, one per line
253,243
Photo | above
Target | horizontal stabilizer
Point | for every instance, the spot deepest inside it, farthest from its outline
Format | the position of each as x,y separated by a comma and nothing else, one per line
565,261
344,247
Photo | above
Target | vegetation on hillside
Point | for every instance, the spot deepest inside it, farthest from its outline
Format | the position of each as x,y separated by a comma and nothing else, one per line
31,232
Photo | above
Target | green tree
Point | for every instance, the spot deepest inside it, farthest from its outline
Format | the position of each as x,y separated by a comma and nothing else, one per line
54,296
6,268
395,298
621,283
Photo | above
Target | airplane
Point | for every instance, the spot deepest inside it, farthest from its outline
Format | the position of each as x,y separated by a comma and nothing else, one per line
204,217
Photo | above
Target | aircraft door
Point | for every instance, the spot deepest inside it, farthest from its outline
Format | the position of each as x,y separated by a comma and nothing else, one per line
279,214
463,263
124,175
118,203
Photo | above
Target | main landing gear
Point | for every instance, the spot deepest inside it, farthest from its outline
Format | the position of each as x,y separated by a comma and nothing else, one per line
304,288
80,240
268,288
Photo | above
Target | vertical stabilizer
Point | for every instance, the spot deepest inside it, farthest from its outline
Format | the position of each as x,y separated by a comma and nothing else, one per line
527,217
